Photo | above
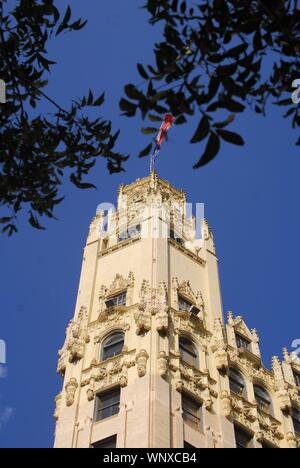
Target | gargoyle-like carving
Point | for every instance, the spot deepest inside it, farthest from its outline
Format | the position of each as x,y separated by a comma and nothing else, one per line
163,363
141,362
71,388
58,401
143,316
219,346
226,403
76,339
280,385
161,309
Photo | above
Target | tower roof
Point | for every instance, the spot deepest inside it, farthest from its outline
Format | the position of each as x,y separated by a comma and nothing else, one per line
151,185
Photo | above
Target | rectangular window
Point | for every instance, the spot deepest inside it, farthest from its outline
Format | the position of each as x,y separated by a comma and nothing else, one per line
242,342
176,238
184,304
191,412
131,233
297,379
242,438
296,420
118,300
109,443
107,404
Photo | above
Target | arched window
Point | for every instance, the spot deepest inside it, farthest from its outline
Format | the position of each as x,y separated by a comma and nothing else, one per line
237,382
188,351
112,345
263,399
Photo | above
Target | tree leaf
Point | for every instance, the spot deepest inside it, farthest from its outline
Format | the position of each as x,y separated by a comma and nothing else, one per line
226,122
149,130
211,151
146,151
202,130
142,71
231,137
81,185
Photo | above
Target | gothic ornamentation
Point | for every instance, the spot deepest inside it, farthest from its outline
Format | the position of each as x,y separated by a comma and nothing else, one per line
163,362
219,347
120,284
226,403
161,308
280,385
143,316
76,338
58,402
243,411
270,428
185,290
104,375
141,362
71,388
291,440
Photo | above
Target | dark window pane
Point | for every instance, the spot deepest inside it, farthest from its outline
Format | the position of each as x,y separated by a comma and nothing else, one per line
242,438
188,352
112,346
297,379
263,399
241,342
109,443
237,384
296,420
130,233
176,237
119,299
184,304
107,404
191,412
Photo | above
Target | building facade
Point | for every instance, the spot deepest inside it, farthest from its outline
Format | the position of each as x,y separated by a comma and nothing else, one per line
148,360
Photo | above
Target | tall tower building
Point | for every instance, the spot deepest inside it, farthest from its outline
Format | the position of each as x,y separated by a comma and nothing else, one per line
148,360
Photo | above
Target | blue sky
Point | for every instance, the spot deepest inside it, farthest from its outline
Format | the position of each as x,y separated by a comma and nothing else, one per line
251,198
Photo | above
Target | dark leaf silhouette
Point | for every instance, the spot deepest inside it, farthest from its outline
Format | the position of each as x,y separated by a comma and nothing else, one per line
216,56
211,151
37,152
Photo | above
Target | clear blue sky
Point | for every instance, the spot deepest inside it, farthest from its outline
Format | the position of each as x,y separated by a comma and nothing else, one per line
251,196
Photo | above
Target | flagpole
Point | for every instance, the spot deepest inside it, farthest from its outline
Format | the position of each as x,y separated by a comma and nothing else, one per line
166,125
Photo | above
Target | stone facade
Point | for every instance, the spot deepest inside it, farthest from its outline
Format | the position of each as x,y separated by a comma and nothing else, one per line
152,275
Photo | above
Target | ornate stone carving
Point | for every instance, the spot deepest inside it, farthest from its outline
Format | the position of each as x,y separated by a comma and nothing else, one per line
243,411
161,309
124,376
291,440
58,402
280,385
270,427
242,328
71,388
163,362
141,362
219,347
76,338
102,298
184,289
120,284
226,403
143,316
